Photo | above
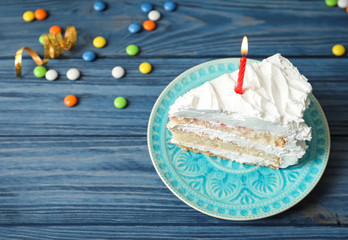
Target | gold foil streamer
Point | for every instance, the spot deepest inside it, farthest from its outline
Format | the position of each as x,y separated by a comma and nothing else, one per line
54,46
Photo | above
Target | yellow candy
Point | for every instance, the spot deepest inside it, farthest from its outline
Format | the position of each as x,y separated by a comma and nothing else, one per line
28,16
99,42
145,67
338,50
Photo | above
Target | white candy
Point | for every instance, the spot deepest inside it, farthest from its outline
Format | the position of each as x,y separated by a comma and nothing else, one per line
154,15
342,3
118,72
51,75
73,74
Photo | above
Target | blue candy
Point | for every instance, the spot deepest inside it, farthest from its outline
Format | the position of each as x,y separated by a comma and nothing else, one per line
146,7
88,56
99,6
169,6
134,28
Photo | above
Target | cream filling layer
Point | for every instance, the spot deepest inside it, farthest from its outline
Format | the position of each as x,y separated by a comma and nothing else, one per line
289,155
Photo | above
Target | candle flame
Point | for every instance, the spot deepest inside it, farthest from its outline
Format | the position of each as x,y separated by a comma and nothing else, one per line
244,47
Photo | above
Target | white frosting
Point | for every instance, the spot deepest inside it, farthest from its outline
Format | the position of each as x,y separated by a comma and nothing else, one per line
275,96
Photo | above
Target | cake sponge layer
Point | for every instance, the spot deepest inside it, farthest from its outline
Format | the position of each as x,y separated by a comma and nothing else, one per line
262,138
227,150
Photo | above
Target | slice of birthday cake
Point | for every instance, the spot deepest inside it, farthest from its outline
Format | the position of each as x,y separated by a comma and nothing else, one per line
263,126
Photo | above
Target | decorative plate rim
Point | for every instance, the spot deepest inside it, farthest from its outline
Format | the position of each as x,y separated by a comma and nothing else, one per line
174,191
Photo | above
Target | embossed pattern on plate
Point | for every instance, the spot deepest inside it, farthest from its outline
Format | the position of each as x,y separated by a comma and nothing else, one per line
226,189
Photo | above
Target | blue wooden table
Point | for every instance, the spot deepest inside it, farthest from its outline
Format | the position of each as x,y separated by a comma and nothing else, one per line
85,172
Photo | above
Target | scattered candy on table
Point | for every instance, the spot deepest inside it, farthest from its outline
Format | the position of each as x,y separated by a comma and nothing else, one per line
40,14
28,16
134,27
338,50
132,50
154,15
70,100
99,6
169,6
51,75
55,29
99,42
342,3
120,102
41,39
145,68
118,72
73,74
149,25
39,71
146,7
89,56
51,50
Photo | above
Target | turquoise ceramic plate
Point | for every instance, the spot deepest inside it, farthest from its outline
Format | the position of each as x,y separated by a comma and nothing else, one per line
226,189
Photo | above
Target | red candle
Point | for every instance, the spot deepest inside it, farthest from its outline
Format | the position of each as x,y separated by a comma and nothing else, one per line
244,49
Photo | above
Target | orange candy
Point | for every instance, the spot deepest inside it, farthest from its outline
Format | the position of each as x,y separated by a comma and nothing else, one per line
55,29
70,100
149,25
40,14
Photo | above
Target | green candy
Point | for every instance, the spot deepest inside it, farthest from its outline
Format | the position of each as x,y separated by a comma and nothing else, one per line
132,50
40,71
331,3
120,102
41,40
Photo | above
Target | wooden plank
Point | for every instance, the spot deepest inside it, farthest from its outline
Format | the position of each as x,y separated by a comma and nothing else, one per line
215,28
111,181
32,106
177,231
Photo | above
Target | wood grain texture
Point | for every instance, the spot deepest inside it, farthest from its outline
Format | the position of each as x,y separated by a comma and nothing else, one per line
111,180
212,28
85,172
174,232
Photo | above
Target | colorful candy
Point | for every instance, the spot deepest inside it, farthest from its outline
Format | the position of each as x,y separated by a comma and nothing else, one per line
40,14
73,74
134,27
40,71
89,56
154,15
342,3
146,7
99,42
70,100
149,25
331,3
145,68
41,39
338,50
28,16
132,50
51,75
55,29
99,6
169,6
120,102
118,72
